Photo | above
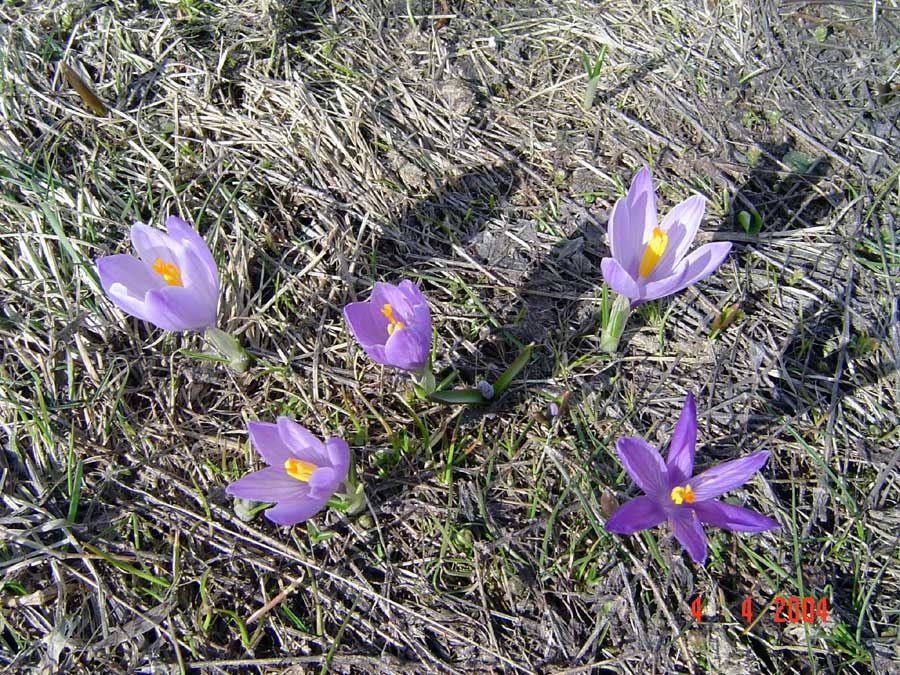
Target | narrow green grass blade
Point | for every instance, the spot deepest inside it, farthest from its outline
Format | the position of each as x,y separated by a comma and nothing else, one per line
125,567
514,368
77,259
75,492
457,396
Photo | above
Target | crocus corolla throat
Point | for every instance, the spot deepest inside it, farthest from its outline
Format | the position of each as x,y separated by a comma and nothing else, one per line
302,475
173,282
393,326
650,259
671,493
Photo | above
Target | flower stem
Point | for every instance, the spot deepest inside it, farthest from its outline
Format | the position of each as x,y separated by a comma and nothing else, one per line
423,381
615,324
228,348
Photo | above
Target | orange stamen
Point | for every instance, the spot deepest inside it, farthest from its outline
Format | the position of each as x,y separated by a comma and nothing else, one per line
682,494
169,271
653,252
297,468
393,324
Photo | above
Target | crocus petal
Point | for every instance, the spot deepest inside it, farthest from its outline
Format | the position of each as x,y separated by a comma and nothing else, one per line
271,484
401,303
179,230
130,272
420,316
726,476
302,444
407,349
645,466
663,287
367,323
688,530
637,514
323,483
127,280
267,440
376,353
381,294
681,225
700,264
179,308
151,244
618,279
680,461
731,517
293,511
413,293
339,456
632,220
196,277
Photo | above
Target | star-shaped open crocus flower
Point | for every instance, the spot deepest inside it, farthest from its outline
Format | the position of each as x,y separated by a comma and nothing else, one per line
173,282
303,471
650,259
393,326
686,501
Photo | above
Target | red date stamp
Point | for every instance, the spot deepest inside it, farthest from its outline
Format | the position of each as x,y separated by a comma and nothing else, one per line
793,609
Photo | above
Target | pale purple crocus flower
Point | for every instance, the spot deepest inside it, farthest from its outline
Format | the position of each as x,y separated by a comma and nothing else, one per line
302,475
672,493
650,259
393,326
173,282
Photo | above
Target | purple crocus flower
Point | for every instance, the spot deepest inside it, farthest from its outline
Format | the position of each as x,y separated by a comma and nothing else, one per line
650,260
672,494
393,326
173,283
303,471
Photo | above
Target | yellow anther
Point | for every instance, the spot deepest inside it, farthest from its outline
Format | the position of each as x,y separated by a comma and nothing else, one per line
297,468
393,324
682,494
653,252
169,271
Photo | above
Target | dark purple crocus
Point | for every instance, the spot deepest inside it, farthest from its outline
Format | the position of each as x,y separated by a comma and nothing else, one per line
173,282
393,326
686,501
650,259
303,471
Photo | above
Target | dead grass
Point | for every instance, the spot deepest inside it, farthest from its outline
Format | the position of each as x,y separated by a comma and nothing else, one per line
321,146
